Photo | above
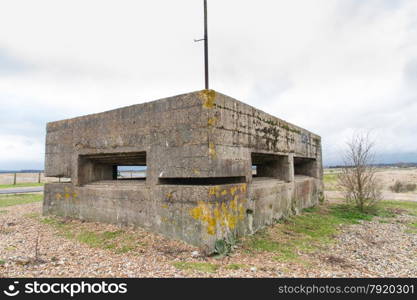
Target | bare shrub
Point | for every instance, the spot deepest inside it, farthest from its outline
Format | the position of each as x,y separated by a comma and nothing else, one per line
411,187
36,259
401,187
37,241
397,187
357,179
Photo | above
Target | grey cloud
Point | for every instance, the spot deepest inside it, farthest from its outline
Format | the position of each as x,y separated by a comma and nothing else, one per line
10,65
410,72
354,7
265,91
21,164
26,116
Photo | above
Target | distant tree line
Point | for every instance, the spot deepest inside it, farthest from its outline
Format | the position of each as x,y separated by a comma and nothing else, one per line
398,165
21,171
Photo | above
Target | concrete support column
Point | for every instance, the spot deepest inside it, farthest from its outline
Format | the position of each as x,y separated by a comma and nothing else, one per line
153,164
316,171
289,167
114,172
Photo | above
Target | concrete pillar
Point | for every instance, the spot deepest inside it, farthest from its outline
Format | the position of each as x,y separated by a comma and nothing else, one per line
114,172
289,167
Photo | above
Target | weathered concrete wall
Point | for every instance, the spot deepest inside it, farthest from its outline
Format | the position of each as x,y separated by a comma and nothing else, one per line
202,135
198,215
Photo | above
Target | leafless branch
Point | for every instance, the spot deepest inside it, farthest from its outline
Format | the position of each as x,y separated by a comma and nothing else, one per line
357,179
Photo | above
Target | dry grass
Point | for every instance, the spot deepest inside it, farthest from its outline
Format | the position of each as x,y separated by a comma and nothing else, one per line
386,176
10,200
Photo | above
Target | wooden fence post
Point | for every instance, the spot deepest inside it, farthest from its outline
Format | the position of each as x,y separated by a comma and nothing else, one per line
14,179
39,177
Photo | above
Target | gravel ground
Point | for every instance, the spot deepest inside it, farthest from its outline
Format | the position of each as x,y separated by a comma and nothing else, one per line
374,249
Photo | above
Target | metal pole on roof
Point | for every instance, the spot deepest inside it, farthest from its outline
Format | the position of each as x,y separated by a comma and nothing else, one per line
205,39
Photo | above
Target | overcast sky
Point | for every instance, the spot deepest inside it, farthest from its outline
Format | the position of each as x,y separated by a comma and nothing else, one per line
330,66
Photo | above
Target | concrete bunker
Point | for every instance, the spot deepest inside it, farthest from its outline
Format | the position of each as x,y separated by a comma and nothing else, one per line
214,167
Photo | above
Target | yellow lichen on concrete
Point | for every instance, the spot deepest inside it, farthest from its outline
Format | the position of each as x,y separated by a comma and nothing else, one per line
212,150
214,191
209,98
223,216
67,195
203,213
212,122
233,190
233,203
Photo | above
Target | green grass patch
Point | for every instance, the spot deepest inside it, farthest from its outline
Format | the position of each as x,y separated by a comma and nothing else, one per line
3,212
197,266
2,262
105,240
349,214
261,242
8,186
118,241
311,209
307,232
287,253
236,267
10,200
124,249
408,207
413,228
32,215
318,226
50,221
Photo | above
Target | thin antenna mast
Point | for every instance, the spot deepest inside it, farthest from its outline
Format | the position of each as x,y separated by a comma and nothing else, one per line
205,39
